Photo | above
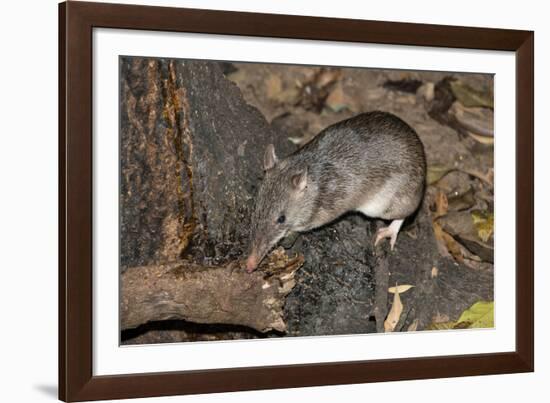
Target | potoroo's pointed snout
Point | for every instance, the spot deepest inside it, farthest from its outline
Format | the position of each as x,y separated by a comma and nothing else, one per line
251,263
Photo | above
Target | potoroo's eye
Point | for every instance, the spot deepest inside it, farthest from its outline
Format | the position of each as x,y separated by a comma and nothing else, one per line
281,219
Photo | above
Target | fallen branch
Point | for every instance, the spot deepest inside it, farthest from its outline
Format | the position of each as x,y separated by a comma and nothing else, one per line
221,295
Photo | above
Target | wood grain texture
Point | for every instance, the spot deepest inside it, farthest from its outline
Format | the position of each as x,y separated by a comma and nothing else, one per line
218,295
525,218
62,189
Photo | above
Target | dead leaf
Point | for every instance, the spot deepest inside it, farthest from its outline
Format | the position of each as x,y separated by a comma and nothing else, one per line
400,288
471,97
297,140
478,121
449,242
453,247
441,204
436,172
440,318
327,76
412,233
441,245
487,140
239,76
460,225
313,93
427,91
337,101
441,326
413,326
274,86
479,315
477,264
484,222
435,272
275,91
394,314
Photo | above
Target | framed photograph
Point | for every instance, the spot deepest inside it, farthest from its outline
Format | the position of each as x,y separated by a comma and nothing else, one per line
253,201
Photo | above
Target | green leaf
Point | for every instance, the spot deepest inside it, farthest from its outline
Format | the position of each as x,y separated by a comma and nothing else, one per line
479,315
471,97
484,222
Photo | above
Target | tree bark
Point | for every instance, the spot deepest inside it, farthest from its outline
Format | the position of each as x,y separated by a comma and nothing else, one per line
191,156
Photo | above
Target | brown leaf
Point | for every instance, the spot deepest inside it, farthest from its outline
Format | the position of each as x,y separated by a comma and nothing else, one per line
275,91
435,272
336,100
478,121
482,139
400,288
413,326
441,322
452,246
440,318
471,97
313,93
274,86
327,76
461,226
427,91
395,313
238,77
441,204
441,326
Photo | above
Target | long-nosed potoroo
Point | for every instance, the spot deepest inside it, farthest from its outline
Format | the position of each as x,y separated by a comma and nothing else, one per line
373,163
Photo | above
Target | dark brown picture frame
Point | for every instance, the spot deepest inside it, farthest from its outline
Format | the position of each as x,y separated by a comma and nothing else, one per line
76,23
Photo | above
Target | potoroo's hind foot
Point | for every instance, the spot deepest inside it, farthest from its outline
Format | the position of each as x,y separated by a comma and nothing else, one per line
390,231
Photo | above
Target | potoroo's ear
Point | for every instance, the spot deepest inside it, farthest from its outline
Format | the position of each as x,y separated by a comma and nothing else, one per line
299,180
270,158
